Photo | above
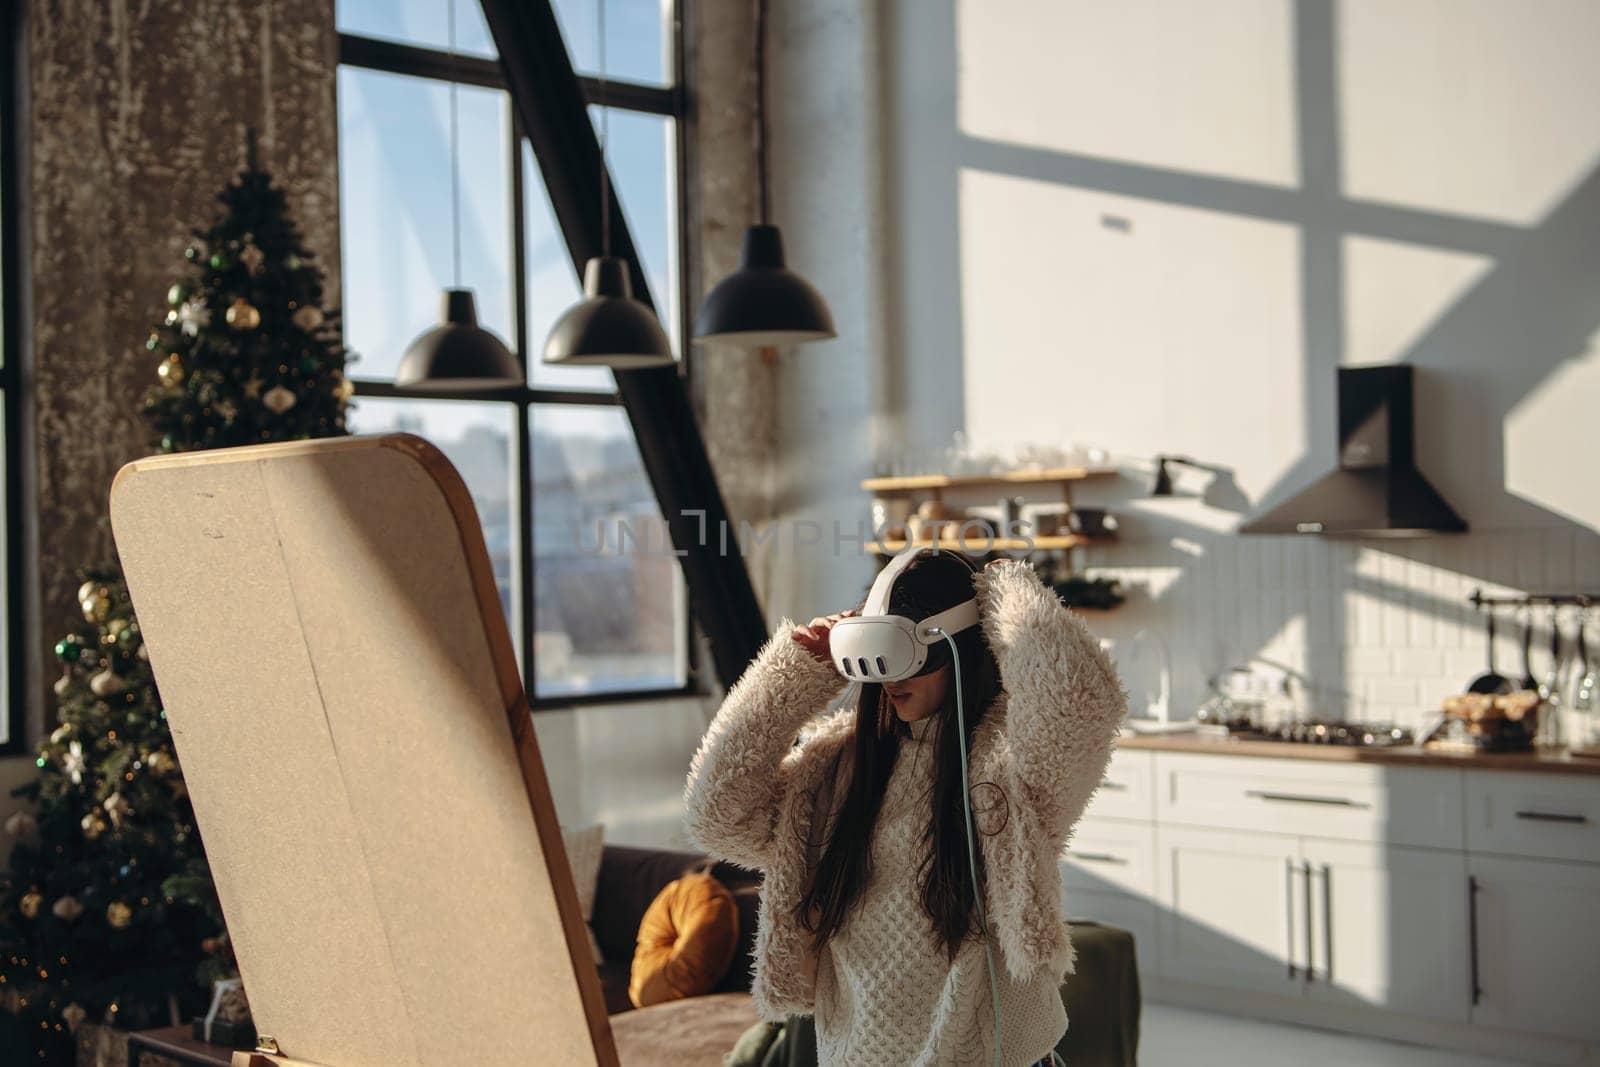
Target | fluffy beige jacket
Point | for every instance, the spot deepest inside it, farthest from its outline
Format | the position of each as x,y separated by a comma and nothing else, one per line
1046,740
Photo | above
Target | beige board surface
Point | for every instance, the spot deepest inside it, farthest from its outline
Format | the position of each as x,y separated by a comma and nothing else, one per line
322,624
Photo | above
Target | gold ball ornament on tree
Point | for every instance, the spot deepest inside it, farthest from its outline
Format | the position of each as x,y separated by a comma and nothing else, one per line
97,606
170,371
278,399
67,909
30,904
93,825
107,683
119,915
242,315
307,318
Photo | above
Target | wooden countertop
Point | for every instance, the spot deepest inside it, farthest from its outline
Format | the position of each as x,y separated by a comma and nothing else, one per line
1551,761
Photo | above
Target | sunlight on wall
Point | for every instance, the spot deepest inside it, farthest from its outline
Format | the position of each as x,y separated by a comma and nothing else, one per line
1199,88
1112,332
1395,291
1468,107
1552,440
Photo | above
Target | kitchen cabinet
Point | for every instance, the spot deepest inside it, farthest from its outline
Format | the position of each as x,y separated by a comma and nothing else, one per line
1232,909
1356,893
1537,959
1335,921
1387,928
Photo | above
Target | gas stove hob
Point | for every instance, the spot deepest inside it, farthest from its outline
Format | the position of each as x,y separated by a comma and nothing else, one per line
1327,732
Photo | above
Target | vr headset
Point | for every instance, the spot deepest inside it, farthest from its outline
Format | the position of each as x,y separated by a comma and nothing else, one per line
876,646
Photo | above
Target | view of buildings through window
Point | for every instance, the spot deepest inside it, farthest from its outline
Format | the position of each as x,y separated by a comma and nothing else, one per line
591,589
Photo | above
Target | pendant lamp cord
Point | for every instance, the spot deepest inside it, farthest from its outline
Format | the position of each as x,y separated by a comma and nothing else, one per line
455,152
761,106
605,138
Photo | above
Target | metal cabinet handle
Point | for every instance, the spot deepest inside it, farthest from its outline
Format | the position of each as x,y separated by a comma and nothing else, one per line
1298,798
1327,921
1311,960
1472,936
1096,857
1553,816
1106,783
1288,914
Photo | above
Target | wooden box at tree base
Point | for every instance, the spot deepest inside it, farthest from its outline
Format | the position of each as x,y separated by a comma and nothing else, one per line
322,621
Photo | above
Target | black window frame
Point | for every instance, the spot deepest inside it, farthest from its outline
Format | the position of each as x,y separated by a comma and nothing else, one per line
12,384
418,61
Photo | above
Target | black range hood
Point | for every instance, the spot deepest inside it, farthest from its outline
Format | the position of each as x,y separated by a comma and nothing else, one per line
1377,490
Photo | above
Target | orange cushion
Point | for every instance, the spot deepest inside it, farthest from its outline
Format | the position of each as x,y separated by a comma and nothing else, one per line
686,941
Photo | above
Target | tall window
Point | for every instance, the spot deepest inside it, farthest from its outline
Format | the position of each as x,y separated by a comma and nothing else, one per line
593,596
13,678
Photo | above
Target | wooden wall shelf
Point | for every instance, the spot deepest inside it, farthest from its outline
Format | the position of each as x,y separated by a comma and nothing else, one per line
976,545
922,483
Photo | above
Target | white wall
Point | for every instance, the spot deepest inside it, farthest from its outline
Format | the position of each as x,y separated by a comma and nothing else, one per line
1159,226
623,766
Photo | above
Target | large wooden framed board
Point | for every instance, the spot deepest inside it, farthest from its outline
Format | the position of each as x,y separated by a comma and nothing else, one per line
323,624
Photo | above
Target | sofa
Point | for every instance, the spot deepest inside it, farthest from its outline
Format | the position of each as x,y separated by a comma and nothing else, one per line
629,880
1102,996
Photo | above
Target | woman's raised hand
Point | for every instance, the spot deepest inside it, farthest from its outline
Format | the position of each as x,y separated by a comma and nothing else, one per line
813,636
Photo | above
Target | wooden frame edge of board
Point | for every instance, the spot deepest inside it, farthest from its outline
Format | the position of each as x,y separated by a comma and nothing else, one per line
519,716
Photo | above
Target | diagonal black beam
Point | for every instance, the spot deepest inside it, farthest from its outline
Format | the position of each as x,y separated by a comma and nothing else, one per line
550,101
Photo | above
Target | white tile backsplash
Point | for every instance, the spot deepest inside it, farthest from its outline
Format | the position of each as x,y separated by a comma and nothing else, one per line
1377,631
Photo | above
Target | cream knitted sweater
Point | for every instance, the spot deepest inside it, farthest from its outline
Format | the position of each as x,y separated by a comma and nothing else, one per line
886,991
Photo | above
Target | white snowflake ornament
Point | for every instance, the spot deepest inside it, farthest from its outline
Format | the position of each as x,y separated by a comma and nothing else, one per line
252,258
117,807
75,763
194,315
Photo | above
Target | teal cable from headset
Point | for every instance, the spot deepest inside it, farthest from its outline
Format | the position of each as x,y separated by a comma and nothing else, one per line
972,849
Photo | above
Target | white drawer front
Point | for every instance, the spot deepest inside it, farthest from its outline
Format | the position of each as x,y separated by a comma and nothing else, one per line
1128,789
1361,802
1116,857
1544,816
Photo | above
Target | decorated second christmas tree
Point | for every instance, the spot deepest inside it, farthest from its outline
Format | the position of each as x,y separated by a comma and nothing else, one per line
107,911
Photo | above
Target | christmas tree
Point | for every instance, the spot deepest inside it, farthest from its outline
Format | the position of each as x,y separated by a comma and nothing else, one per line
107,911
247,353
88,929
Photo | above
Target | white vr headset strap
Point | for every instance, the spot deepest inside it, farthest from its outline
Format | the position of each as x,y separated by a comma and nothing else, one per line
949,621
878,597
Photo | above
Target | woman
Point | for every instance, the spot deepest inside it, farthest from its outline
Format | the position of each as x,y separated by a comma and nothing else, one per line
867,906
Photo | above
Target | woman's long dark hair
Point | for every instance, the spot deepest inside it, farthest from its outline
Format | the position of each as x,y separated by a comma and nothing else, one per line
931,584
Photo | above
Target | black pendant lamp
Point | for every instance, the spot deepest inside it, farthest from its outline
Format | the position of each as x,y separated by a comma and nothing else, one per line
608,327
763,303
457,354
